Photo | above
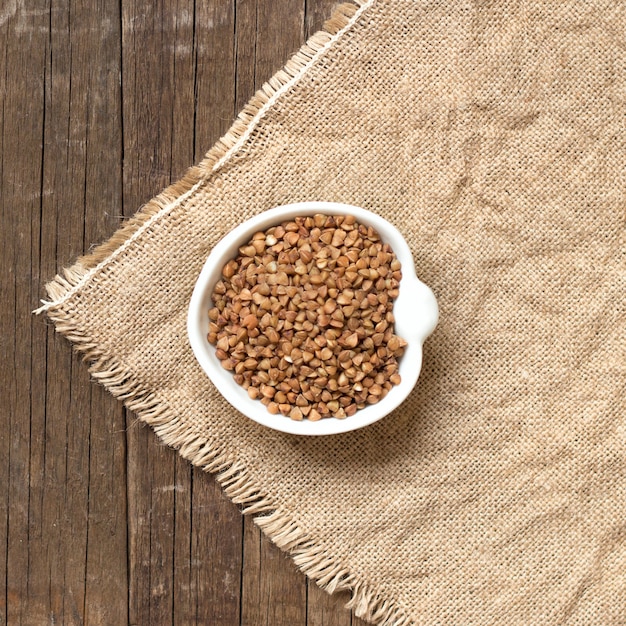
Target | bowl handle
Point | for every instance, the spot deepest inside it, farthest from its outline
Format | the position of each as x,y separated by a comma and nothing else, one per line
418,312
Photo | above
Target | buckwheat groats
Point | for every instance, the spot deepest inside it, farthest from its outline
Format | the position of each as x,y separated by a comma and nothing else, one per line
303,317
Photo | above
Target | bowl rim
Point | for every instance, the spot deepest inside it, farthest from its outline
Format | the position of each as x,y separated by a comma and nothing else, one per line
408,322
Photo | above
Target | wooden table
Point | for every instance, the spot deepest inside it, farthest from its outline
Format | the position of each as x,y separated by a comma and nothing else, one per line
104,103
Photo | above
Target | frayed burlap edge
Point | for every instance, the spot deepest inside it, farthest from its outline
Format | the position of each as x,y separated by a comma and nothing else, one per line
278,525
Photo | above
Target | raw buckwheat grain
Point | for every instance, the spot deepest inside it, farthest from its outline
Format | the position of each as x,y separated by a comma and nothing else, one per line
303,317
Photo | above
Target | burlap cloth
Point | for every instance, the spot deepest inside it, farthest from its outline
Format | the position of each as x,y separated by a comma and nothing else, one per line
493,134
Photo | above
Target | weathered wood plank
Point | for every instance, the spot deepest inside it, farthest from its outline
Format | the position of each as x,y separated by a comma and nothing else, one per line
279,35
96,40
316,13
215,554
245,51
106,583
326,610
184,600
24,47
83,527
215,72
147,60
273,591
182,42
150,526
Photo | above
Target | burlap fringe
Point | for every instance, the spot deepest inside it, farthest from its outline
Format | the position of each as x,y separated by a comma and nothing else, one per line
234,142
278,526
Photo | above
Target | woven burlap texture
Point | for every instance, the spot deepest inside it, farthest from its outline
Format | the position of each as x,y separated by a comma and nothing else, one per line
493,135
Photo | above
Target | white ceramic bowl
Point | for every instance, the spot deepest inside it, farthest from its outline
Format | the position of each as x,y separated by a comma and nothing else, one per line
415,311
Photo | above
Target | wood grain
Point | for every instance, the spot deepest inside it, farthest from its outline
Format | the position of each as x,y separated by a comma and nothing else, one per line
103,104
